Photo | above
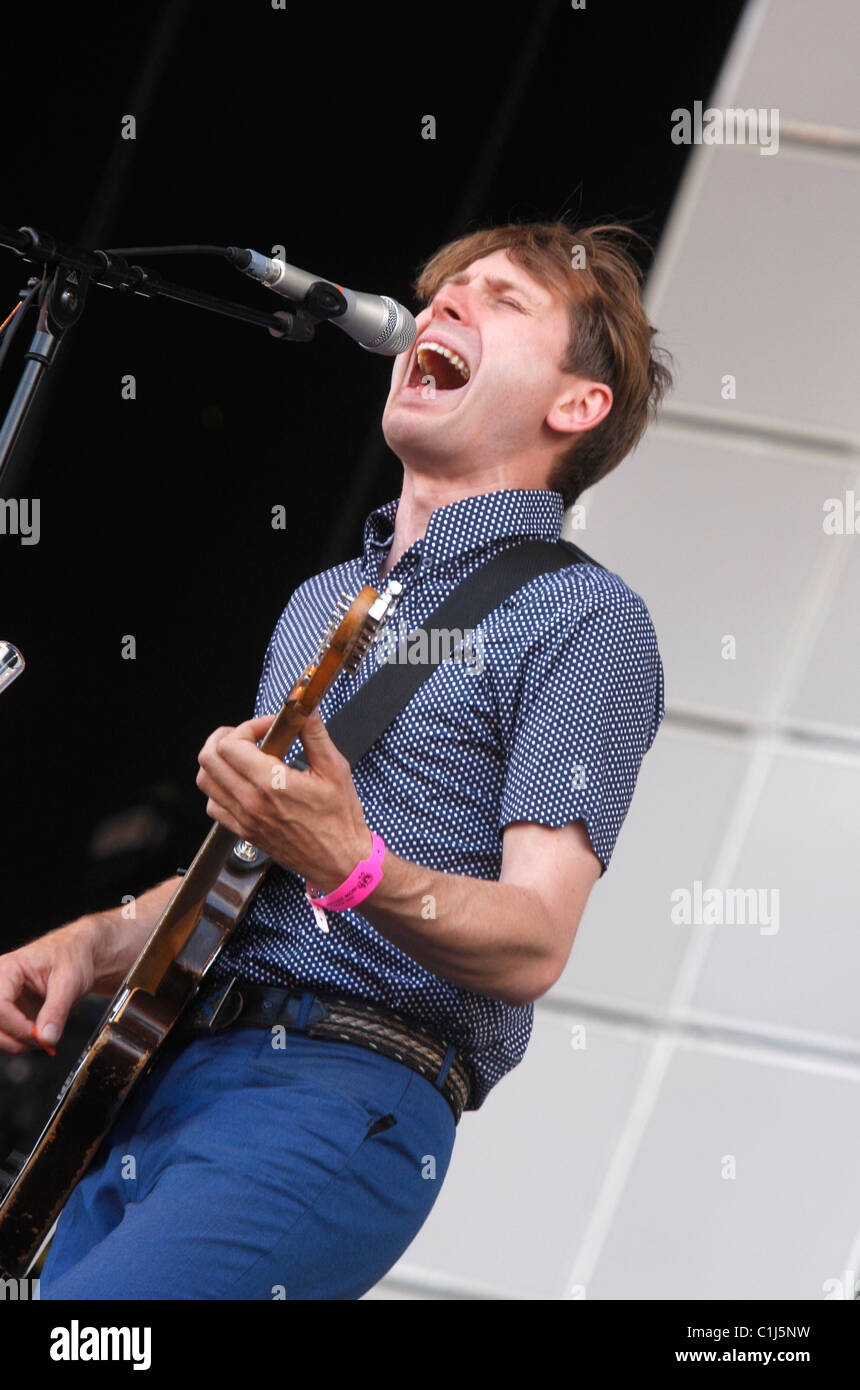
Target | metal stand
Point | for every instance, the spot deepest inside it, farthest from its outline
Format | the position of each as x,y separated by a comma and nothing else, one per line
63,294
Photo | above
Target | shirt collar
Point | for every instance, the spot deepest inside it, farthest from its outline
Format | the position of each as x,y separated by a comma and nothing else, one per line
469,524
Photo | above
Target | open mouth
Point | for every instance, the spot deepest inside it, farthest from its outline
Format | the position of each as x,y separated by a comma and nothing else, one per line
448,370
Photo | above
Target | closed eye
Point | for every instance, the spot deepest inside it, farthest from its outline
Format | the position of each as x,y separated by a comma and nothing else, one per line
513,303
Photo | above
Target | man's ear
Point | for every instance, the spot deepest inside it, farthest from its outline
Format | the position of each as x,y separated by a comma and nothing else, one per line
581,406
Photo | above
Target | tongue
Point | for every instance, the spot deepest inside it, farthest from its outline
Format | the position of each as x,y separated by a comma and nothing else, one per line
443,372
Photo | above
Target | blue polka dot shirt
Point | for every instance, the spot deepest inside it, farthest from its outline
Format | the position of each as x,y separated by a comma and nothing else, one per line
544,716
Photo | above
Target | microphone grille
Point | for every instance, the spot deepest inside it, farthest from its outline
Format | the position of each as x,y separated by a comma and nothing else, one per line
398,332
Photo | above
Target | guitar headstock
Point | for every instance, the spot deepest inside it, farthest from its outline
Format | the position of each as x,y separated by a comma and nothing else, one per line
351,628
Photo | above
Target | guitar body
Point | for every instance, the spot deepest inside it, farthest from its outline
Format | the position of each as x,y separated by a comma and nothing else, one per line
121,1051
211,900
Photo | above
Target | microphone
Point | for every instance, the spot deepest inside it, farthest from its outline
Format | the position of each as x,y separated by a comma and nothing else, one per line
11,664
374,321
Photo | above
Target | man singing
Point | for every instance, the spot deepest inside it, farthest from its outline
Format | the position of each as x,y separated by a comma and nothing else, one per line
270,1161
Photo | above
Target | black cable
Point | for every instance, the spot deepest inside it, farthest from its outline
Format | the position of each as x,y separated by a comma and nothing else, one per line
170,251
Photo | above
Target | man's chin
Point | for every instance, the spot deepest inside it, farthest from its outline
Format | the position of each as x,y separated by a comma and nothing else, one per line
406,427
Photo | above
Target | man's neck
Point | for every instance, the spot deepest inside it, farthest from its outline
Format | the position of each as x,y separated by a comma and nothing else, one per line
418,501
421,496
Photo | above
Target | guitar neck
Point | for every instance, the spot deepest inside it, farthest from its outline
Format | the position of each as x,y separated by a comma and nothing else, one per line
347,643
182,913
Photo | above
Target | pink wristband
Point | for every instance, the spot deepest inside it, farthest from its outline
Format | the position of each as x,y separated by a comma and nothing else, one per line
360,883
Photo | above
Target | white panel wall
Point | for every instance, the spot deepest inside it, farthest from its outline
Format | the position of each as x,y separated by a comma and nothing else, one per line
686,1122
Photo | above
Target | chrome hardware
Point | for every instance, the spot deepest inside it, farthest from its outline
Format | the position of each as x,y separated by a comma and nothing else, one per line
11,664
340,611
379,613
117,1004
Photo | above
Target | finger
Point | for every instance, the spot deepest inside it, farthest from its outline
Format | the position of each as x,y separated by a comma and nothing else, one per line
64,988
217,739
220,769
10,1044
227,788
210,747
243,758
226,818
15,1022
254,729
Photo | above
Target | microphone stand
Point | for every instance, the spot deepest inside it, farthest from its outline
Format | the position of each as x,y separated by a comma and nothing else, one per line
68,272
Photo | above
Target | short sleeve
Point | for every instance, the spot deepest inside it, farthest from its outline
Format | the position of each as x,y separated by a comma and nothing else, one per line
261,703
589,702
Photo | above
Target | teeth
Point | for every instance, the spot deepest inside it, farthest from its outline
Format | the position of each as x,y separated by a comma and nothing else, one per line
452,357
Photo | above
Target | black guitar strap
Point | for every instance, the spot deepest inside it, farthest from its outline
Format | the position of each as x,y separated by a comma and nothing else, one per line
364,718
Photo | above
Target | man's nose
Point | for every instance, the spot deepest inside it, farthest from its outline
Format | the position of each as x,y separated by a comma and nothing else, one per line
451,302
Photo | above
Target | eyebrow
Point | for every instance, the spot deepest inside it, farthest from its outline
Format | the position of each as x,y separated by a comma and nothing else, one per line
495,283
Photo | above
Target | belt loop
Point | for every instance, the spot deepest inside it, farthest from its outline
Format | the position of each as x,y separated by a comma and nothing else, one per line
304,1010
446,1067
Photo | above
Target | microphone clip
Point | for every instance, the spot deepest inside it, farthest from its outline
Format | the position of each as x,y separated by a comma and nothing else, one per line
324,300
321,301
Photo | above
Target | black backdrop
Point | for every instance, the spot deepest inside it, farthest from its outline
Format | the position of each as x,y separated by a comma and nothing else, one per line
255,126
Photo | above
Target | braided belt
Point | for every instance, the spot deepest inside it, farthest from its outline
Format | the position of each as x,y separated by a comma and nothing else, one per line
331,1016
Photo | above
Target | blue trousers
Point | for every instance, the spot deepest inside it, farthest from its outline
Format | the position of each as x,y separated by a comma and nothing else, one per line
243,1170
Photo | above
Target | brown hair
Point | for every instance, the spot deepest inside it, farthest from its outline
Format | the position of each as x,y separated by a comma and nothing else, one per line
610,338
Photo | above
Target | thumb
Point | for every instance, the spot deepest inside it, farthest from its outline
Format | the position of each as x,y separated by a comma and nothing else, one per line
61,994
316,740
